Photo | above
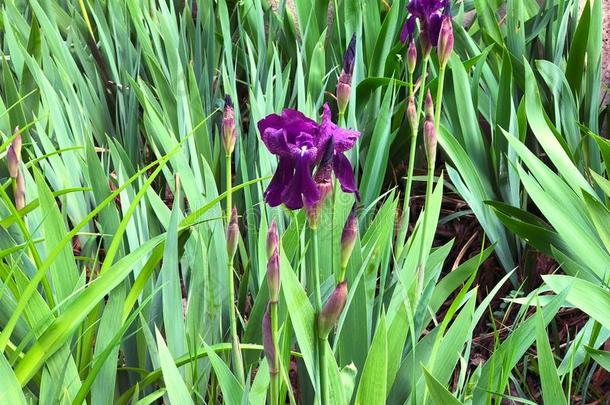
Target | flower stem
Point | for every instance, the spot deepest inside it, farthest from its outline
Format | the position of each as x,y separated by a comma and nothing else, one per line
406,207
275,377
236,351
318,306
429,181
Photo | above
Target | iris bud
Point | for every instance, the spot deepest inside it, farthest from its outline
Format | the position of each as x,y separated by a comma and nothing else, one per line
348,237
268,346
412,114
232,234
430,141
412,57
273,277
331,312
229,135
19,191
429,107
273,239
445,42
344,86
13,155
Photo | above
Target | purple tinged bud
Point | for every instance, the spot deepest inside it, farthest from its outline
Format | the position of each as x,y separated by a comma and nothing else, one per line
430,141
350,56
324,184
273,277
19,191
344,90
13,155
344,86
332,310
232,234
268,346
348,237
273,239
445,41
412,114
412,57
229,134
429,107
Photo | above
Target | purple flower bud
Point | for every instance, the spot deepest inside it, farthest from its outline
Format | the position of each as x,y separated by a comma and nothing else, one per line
412,57
324,184
445,41
348,237
344,86
332,310
350,56
229,135
430,141
19,191
268,346
273,276
13,156
232,234
412,114
273,239
429,107
344,90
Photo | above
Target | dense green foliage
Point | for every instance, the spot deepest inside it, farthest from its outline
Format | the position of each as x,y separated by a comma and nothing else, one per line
115,283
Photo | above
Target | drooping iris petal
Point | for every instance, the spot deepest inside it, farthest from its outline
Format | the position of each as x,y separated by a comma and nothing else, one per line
408,29
281,178
345,174
434,27
302,188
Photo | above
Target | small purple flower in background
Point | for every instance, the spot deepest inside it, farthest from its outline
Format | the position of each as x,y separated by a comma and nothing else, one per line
430,14
301,144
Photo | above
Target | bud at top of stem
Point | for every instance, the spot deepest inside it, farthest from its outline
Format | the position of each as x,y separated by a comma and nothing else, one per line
229,134
13,155
232,234
412,114
430,141
412,57
273,239
429,107
19,191
268,345
332,310
273,276
348,237
344,85
445,41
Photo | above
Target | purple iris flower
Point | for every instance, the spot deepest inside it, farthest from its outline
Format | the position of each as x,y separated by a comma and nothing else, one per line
301,144
430,14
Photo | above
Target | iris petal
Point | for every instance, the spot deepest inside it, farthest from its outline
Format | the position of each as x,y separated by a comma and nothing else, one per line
301,188
345,174
275,141
283,175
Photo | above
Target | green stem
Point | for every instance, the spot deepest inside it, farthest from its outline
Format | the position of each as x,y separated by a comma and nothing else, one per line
429,181
316,270
236,351
318,304
275,377
406,204
342,274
